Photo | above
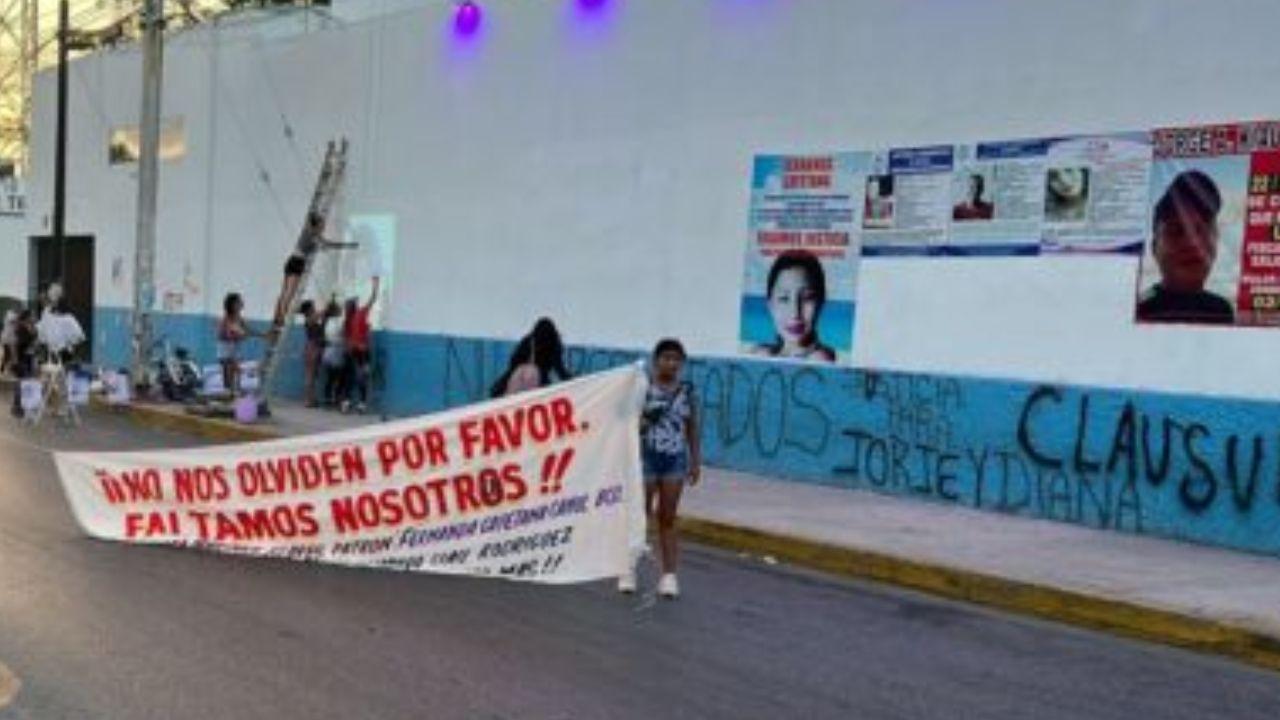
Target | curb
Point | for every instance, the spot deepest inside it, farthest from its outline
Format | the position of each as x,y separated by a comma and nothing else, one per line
161,419
1066,606
214,429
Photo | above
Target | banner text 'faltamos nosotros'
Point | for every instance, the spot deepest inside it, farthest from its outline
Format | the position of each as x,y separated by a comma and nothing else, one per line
543,486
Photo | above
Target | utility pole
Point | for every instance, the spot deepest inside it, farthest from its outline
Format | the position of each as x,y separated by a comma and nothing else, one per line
60,152
148,177
30,49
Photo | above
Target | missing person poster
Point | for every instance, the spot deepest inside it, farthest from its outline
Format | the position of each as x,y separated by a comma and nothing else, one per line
1213,257
1017,197
1095,193
799,288
997,198
907,202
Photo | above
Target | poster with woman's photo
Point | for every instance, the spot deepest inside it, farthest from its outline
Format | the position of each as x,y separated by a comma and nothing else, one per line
1213,256
1096,193
799,288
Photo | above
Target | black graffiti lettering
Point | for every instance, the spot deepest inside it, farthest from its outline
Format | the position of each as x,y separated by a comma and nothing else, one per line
739,379
949,396
777,409
871,383
854,467
714,410
946,473
1099,499
874,444
928,462
1157,474
979,463
1083,464
898,450
818,444
901,419
1129,505
1024,432
1006,504
1243,497
1059,503
1123,444
1197,491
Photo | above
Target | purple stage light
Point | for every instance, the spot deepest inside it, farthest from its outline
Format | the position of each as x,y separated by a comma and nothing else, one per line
467,19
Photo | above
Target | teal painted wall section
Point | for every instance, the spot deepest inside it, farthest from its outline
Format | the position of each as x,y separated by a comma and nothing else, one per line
1200,469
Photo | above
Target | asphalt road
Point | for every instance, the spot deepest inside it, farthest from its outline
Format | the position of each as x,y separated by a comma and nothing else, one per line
90,629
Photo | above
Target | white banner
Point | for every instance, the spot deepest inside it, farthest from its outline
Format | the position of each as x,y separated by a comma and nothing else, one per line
543,486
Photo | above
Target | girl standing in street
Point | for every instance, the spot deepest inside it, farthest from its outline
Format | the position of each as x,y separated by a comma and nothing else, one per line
670,454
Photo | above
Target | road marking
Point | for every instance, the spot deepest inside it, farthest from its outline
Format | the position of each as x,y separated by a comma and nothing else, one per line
9,685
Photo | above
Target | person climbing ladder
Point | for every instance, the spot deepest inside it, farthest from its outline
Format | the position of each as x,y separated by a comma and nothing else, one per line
310,242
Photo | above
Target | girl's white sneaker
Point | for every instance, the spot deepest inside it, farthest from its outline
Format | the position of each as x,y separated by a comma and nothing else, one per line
627,582
668,586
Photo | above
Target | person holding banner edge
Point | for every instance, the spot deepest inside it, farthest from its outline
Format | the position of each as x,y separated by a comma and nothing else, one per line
670,454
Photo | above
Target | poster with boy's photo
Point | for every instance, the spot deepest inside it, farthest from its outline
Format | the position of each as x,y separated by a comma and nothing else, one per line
1215,218
799,287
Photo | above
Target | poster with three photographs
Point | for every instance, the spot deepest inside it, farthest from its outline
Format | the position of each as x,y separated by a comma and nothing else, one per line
1017,197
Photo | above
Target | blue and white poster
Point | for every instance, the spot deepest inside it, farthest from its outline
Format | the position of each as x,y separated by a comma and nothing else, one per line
1015,197
800,286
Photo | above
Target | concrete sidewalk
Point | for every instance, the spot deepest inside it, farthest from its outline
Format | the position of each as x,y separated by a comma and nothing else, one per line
1186,595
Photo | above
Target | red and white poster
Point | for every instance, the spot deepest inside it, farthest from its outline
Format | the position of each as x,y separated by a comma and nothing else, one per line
544,486
1258,298
1214,253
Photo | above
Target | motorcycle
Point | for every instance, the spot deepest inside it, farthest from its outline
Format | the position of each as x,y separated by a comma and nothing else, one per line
172,370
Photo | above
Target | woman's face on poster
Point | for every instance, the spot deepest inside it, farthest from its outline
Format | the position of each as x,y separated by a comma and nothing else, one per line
1067,183
794,306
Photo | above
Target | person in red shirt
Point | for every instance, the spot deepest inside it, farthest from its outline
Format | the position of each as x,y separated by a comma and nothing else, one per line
974,207
356,332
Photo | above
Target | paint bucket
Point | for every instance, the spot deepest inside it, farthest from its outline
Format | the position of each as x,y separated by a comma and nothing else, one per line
246,409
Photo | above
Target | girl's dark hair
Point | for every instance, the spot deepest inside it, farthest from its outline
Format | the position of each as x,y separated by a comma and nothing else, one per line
230,301
807,262
542,347
306,307
812,268
669,345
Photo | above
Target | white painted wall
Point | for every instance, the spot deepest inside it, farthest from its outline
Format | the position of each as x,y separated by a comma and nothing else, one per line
596,168
13,257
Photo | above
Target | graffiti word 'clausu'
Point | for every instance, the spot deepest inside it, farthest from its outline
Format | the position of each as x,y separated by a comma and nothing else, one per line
1206,467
